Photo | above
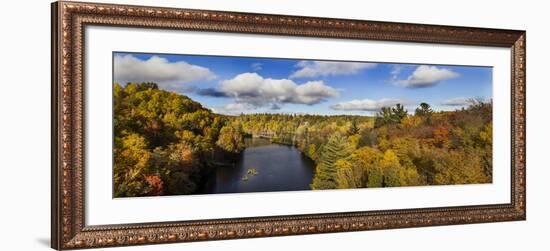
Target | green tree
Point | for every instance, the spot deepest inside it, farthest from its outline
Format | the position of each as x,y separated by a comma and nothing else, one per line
384,117
325,176
390,115
398,113
353,128
423,110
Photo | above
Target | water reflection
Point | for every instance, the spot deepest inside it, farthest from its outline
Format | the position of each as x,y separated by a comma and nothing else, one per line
263,167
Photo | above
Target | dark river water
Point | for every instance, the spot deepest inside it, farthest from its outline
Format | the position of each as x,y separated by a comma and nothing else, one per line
263,167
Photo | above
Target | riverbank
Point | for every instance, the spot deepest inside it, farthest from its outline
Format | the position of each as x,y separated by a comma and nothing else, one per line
277,167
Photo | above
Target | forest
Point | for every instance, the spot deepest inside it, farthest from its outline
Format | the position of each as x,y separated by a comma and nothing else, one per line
166,143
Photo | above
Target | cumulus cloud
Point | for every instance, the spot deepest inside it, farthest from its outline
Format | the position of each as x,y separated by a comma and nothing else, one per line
158,69
311,69
457,102
251,88
368,104
425,76
233,108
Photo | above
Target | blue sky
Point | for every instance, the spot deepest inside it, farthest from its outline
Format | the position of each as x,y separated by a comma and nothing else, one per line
234,85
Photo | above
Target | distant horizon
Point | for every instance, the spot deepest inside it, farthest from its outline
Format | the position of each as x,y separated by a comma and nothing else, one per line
233,86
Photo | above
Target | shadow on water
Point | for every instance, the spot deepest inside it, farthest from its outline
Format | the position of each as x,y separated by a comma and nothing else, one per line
263,167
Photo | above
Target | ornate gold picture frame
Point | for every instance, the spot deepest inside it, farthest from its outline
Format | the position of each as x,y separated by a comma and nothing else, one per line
69,229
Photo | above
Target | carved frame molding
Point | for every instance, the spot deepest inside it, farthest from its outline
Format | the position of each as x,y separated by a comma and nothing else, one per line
68,225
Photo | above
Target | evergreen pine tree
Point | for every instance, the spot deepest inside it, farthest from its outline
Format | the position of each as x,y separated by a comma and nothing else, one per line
398,113
335,149
423,110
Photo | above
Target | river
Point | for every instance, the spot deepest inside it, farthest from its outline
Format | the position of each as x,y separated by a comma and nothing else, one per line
263,167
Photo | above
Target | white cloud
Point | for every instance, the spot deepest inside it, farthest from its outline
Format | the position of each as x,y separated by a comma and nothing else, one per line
310,69
233,109
256,66
396,70
425,76
252,88
313,92
157,69
368,104
457,102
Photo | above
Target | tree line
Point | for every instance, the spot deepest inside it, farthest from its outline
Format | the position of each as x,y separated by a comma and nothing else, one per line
166,143
393,148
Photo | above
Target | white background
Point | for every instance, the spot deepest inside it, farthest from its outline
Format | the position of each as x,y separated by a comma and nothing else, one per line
102,209
25,131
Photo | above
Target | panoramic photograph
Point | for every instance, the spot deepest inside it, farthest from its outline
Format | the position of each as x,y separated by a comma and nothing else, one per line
195,124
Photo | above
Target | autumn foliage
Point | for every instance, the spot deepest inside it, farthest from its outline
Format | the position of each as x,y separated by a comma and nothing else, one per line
394,148
165,143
